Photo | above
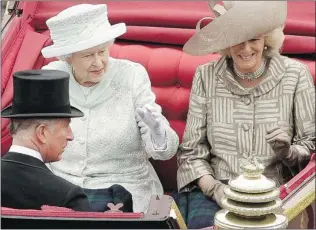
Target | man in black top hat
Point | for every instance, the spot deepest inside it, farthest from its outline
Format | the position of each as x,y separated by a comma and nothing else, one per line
40,116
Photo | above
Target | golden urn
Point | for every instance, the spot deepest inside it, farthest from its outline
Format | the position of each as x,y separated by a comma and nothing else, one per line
251,201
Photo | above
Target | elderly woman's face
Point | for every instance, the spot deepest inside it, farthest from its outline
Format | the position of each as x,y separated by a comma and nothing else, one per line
247,56
90,64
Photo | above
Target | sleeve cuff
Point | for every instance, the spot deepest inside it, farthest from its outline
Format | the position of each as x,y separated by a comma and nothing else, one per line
299,154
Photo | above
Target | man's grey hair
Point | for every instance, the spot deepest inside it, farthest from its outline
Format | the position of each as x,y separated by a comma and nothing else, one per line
19,125
64,57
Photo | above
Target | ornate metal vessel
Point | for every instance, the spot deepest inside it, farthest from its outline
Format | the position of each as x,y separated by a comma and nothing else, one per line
251,201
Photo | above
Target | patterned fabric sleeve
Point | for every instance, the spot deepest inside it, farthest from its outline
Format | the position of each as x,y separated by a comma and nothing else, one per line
304,117
143,95
194,152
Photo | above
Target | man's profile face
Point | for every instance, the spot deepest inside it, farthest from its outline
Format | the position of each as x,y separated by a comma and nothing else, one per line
57,139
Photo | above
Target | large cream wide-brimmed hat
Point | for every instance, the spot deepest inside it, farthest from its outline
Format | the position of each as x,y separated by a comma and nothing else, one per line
236,22
80,27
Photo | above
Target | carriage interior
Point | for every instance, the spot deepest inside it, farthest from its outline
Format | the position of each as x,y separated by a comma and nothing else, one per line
156,32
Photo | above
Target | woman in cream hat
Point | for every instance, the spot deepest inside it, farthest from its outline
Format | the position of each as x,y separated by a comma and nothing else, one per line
122,126
252,101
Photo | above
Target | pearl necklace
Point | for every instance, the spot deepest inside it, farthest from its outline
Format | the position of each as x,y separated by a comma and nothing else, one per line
251,76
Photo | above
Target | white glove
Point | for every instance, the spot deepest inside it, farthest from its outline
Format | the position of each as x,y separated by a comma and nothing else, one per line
153,119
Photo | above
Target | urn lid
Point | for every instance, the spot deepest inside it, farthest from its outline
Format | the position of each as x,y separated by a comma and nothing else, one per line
251,180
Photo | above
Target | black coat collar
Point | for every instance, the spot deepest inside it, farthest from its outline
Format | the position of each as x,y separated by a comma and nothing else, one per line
20,158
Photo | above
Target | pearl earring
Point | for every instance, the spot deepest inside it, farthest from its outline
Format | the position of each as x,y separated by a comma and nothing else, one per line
265,47
73,71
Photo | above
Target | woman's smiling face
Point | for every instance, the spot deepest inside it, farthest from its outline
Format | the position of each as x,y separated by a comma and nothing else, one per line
247,56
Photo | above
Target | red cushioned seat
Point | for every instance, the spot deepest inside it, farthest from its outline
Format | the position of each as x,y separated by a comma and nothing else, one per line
169,25
156,32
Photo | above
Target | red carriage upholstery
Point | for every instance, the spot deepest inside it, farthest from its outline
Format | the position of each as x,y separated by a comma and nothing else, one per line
156,32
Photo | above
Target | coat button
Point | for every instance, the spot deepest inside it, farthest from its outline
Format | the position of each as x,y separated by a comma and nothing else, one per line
247,101
81,141
245,127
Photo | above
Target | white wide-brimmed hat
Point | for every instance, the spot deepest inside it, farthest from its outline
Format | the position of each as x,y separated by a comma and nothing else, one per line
236,22
80,27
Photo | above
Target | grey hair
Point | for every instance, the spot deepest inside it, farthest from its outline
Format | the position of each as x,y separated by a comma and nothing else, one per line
19,125
64,57
273,42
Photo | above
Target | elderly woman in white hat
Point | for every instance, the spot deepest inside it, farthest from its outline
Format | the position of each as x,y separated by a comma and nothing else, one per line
122,126
250,102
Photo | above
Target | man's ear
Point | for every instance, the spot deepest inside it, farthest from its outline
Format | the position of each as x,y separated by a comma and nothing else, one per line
41,133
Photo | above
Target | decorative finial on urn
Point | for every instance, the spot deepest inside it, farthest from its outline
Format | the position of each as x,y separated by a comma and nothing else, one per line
251,167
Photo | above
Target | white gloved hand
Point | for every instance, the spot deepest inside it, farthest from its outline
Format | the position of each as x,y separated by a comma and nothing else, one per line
153,119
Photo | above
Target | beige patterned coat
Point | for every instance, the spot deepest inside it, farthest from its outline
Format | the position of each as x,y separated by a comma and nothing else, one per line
226,122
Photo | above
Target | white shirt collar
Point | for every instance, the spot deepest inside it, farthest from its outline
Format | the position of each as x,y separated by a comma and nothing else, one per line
26,151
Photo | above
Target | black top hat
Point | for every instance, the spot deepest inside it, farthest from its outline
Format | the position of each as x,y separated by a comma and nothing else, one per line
41,94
